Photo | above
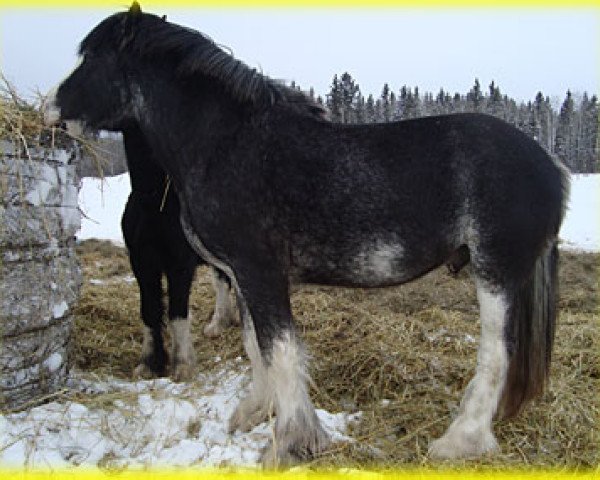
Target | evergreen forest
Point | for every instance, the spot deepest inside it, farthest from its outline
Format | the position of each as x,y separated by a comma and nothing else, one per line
570,133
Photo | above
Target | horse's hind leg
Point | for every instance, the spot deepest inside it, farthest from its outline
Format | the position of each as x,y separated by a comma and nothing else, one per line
224,313
153,361
279,376
183,356
470,434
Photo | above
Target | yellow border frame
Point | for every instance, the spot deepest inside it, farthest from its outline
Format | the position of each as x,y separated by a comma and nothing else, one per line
476,4
302,473
296,474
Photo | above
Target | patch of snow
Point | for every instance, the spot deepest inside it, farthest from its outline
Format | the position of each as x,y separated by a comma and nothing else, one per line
150,424
581,227
59,309
102,203
112,281
54,362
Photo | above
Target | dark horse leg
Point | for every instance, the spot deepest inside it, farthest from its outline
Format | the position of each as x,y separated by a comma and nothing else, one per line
157,245
146,265
279,376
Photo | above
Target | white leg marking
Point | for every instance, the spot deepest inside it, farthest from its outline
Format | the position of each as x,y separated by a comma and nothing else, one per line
224,314
470,434
257,406
142,370
183,356
297,436
288,374
298,432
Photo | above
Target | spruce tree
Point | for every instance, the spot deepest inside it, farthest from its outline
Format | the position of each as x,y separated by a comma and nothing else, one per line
543,115
334,100
370,115
475,97
348,93
494,101
402,103
588,135
385,103
359,109
564,143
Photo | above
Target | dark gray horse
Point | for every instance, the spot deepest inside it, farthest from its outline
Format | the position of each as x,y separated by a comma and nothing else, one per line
272,193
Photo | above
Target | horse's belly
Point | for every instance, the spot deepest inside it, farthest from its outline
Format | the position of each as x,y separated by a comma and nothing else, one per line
374,264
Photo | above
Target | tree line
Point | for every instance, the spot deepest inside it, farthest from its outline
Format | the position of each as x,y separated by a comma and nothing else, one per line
571,133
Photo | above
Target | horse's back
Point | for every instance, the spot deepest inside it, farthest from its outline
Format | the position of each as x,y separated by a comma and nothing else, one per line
383,204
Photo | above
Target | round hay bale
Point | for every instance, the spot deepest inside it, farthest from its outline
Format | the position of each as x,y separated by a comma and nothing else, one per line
39,274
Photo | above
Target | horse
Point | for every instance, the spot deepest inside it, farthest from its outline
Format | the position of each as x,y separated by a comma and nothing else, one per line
273,194
157,246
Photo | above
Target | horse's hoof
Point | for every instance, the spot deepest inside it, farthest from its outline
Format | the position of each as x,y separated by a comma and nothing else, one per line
143,372
182,372
247,415
296,448
271,459
454,445
218,324
213,329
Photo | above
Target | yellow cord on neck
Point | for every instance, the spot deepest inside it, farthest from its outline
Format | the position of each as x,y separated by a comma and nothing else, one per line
164,198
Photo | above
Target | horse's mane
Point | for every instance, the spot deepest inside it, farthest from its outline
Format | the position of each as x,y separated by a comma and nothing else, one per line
150,36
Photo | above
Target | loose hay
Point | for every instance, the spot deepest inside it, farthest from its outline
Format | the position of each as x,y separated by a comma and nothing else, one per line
22,122
400,355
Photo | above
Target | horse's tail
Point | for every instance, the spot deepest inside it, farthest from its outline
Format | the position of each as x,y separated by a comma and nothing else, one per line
530,334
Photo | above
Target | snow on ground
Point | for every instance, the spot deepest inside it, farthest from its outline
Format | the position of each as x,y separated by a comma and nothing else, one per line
103,202
161,423
581,228
154,423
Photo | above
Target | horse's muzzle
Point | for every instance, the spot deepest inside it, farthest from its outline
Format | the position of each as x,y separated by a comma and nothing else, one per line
50,110
52,115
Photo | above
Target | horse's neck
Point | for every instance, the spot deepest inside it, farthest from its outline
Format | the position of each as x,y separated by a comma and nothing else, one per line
145,174
183,124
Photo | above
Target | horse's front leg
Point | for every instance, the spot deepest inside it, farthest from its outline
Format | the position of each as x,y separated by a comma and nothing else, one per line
258,405
153,358
144,259
224,314
183,357
279,376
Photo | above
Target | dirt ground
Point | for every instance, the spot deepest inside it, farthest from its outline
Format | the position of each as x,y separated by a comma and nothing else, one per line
401,355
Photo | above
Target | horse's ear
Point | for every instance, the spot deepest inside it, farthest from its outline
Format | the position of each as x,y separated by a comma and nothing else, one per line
135,9
164,18
130,22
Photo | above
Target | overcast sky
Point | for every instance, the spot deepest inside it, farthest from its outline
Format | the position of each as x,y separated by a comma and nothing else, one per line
523,50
